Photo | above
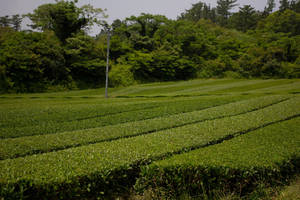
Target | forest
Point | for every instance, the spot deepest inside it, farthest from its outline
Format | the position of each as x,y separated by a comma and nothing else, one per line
58,53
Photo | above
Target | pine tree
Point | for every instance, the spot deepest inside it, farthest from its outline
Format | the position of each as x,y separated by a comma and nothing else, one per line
223,9
4,21
269,7
284,4
16,21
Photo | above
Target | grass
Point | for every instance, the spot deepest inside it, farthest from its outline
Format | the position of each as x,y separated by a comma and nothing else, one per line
290,192
66,144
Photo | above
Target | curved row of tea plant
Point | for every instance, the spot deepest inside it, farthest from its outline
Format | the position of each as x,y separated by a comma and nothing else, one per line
195,87
111,166
167,108
266,156
29,113
27,145
15,147
230,86
32,114
167,87
292,87
265,85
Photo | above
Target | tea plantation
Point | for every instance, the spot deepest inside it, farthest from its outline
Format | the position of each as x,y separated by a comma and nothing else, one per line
201,138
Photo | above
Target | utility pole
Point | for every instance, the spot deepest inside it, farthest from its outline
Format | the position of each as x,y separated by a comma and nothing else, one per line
107,61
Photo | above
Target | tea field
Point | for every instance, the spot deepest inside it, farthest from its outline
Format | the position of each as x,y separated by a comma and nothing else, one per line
201,138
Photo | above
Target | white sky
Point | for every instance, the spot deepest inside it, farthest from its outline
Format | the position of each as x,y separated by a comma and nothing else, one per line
120,9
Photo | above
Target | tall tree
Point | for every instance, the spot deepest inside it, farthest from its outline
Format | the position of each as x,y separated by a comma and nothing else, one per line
32,60
199,11
213,15
4,21
287,21
64,18
295,5
84,60
245,19
16,21
269,7
146,24
223,9
284,4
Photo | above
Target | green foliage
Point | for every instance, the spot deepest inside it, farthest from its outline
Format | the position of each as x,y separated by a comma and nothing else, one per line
232,74
13,22
291,70
31,61
213,68
261,158
112,167
282,22
4,21
121,75
295,5
118,47
223,9
161,65
284,4
146,24
70,119
269,7
22,146
64,18
244,20
84,61
5,82
199,11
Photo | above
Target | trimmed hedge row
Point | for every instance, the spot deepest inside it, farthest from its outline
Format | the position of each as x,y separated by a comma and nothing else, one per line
223,88
292,87
256,86
113,166
185,86
15,147
157,109
266,156
31,112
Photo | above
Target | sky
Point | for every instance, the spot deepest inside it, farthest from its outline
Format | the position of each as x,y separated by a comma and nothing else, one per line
120,9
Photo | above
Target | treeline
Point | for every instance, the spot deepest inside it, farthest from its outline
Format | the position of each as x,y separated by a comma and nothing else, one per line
203,42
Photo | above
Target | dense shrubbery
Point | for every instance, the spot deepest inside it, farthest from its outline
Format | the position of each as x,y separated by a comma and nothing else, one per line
121,75
22,146
148,47
112,167
240,165
30,61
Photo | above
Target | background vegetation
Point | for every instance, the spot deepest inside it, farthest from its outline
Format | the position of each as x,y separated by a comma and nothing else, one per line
203,42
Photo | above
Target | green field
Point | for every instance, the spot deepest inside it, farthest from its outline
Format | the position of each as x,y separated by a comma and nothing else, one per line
199,138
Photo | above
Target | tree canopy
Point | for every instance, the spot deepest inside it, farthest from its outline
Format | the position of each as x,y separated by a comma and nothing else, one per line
203,42
64,18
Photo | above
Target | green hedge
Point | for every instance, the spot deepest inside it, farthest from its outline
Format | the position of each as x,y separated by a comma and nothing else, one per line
36,113
263,157
235,86
37,124
109,167
175,88
15,147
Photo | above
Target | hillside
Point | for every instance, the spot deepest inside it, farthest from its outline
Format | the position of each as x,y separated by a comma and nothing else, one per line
200,138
